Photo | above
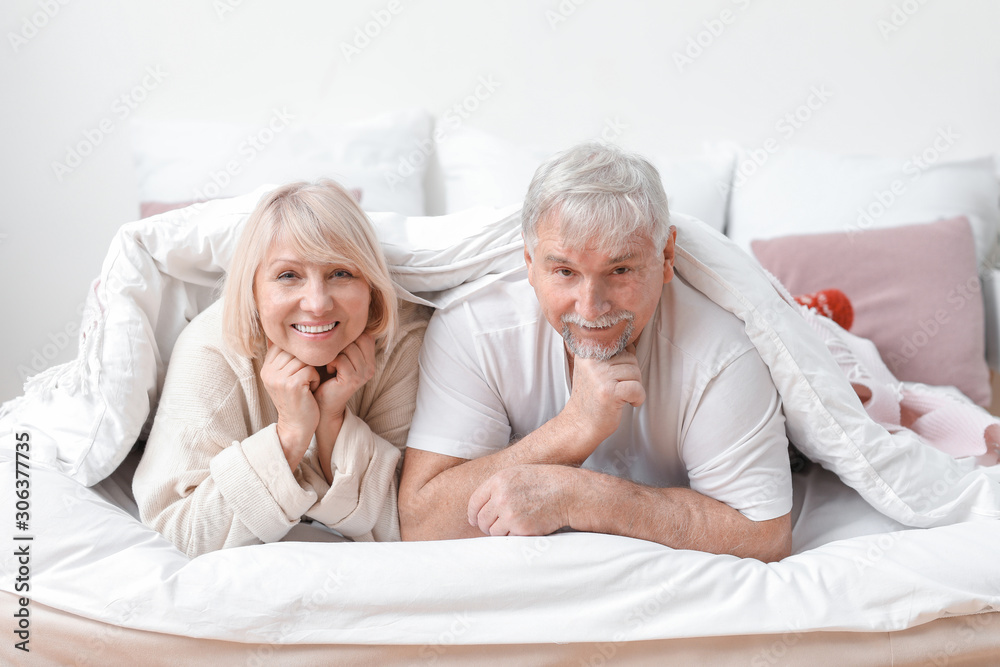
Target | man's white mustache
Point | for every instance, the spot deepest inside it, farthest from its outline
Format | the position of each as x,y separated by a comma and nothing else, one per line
602,322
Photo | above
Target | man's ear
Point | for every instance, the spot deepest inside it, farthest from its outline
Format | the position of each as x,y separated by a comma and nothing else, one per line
527,261
668,255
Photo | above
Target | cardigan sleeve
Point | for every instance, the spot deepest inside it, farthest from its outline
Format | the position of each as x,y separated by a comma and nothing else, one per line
205,481
361,501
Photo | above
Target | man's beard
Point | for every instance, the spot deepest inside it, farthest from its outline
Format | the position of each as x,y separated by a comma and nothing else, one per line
585,349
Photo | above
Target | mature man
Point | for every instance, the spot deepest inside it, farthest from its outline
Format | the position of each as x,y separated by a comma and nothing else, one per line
600,392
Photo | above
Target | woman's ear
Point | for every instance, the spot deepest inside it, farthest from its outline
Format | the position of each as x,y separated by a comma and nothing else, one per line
374,313
377,310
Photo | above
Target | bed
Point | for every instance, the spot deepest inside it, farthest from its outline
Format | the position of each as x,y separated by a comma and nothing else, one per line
894,541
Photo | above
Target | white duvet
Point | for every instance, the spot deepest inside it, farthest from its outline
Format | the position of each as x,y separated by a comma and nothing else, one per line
854,570
856,565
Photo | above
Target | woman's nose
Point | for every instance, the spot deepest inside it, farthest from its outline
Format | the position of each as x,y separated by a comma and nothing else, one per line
317,298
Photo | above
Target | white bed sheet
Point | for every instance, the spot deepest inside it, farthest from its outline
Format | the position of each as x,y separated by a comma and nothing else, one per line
853,569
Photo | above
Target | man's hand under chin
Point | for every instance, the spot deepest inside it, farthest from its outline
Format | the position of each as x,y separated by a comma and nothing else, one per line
600,391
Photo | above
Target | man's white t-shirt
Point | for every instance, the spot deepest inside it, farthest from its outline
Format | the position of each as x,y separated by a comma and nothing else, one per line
492,370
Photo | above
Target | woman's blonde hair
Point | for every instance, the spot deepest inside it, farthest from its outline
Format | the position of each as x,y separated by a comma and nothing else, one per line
324,225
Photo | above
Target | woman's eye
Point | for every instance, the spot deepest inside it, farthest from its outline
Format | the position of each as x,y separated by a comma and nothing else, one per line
287,275
342,273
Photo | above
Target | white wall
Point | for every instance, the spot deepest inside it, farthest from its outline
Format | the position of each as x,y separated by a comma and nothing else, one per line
564,72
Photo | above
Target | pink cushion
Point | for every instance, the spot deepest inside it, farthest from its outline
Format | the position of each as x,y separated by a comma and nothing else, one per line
915,291
148,208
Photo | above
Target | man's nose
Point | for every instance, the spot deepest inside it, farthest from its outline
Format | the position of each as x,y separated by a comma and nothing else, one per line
592,302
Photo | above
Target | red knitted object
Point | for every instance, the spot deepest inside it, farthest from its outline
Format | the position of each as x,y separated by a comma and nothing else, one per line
831,303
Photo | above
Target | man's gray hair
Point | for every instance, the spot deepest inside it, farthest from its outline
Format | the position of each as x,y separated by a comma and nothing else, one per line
601,194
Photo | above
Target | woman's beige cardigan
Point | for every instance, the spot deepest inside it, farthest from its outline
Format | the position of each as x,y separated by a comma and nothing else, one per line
213,474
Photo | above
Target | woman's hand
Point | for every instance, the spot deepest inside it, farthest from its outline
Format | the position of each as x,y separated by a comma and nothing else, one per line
290,384
353,367
307,406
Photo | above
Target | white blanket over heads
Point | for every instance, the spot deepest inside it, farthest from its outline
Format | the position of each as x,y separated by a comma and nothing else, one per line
160,272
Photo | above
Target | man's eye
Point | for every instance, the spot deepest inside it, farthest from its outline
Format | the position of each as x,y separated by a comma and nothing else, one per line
566,273
620,270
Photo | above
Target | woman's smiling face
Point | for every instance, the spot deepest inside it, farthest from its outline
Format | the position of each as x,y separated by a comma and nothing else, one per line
312,311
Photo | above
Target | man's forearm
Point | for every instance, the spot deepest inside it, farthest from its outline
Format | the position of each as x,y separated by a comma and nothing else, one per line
676,517
438,508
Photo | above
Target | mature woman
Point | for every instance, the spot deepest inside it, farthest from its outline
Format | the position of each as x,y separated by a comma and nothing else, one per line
291,397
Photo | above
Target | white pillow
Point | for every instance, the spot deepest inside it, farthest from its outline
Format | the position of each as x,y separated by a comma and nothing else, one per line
699,185
799,191
480,169
185,161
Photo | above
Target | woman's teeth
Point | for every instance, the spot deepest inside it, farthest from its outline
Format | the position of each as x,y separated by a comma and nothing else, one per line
314,330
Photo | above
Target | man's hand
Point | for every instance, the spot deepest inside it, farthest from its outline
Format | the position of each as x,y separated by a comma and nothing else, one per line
523,500
601,389
530,487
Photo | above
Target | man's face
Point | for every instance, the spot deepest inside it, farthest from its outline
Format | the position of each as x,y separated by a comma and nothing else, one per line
599,302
